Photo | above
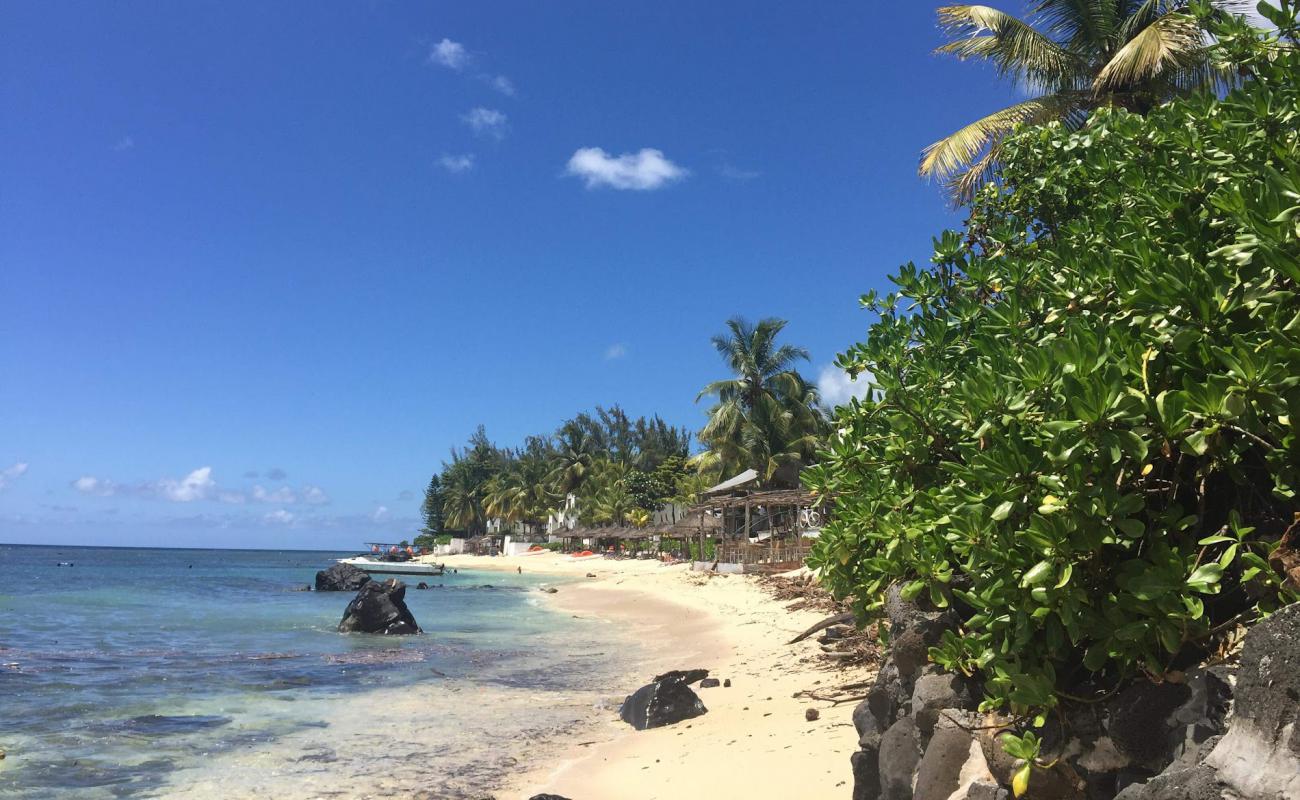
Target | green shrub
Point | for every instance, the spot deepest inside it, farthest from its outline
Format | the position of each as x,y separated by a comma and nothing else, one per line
1082,435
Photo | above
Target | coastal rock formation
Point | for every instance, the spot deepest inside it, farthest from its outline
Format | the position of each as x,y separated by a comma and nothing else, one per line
921,736
379,608
341,578
664,701
1259,757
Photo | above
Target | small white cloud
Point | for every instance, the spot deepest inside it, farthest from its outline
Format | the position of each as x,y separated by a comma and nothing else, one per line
615,351
314,496
280,495
449,54
647,169
457,164
123,144
198,485
501,83
88,484
279,517
380,513
836,387
485,122
12,473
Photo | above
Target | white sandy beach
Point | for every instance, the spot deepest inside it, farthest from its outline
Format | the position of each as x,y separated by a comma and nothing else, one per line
754,743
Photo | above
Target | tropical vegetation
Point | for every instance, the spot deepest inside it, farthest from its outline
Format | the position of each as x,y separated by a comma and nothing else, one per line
1075,56
1083,439
767,417
618,469
606,468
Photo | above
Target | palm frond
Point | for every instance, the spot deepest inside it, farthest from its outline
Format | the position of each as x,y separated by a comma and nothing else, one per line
963,185
1169,42
957,150
1082,24
1011,44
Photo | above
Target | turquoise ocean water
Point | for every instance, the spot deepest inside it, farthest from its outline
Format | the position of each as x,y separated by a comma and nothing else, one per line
197,673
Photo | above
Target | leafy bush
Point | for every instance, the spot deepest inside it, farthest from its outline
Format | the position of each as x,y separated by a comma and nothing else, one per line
1083,431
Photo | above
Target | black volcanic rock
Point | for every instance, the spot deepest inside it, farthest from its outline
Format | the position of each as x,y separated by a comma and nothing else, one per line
379,608
663,702
341,578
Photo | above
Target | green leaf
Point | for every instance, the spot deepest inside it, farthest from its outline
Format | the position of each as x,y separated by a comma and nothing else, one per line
1003,510
1037,574
1095,657
1206,578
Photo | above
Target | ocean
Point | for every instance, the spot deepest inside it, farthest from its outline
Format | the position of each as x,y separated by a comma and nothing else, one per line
208,673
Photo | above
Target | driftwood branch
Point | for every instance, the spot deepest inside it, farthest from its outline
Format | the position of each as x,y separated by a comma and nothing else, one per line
838,619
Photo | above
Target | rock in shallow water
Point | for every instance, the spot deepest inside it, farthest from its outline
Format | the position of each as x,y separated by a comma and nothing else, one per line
379,608
663,702
341,578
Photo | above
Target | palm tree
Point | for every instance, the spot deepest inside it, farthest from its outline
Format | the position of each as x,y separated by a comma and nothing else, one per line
767,415
574,460
462,503
1076,56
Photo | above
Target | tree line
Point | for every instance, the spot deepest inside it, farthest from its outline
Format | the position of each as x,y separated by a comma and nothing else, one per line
765,416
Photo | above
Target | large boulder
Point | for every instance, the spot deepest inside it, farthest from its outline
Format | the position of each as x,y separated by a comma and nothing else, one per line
664,701
379,608
341,578
1259,756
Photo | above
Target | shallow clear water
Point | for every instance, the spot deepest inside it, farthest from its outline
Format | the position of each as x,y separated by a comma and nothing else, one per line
158,673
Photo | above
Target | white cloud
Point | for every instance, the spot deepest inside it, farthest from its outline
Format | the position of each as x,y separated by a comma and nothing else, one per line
282,495
99,487
379,514
647,169
314,496
615,351
836,387
279,517
10,474
123,144
457,164
486,122
198,485
449,54
501,83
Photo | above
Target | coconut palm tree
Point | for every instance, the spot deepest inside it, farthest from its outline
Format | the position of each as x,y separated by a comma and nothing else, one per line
767,415
1075,56
462,503
574,459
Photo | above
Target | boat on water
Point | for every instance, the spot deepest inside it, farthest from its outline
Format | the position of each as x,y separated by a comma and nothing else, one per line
375,566
391,559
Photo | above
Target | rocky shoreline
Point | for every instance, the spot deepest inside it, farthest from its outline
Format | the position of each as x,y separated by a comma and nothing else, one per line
1228,731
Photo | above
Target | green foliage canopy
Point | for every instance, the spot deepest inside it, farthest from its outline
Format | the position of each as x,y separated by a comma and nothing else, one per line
1083,436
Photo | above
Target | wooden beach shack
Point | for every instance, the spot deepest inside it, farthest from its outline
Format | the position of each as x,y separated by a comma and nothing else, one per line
759,529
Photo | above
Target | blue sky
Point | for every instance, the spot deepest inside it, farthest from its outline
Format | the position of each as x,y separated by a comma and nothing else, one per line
262,265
